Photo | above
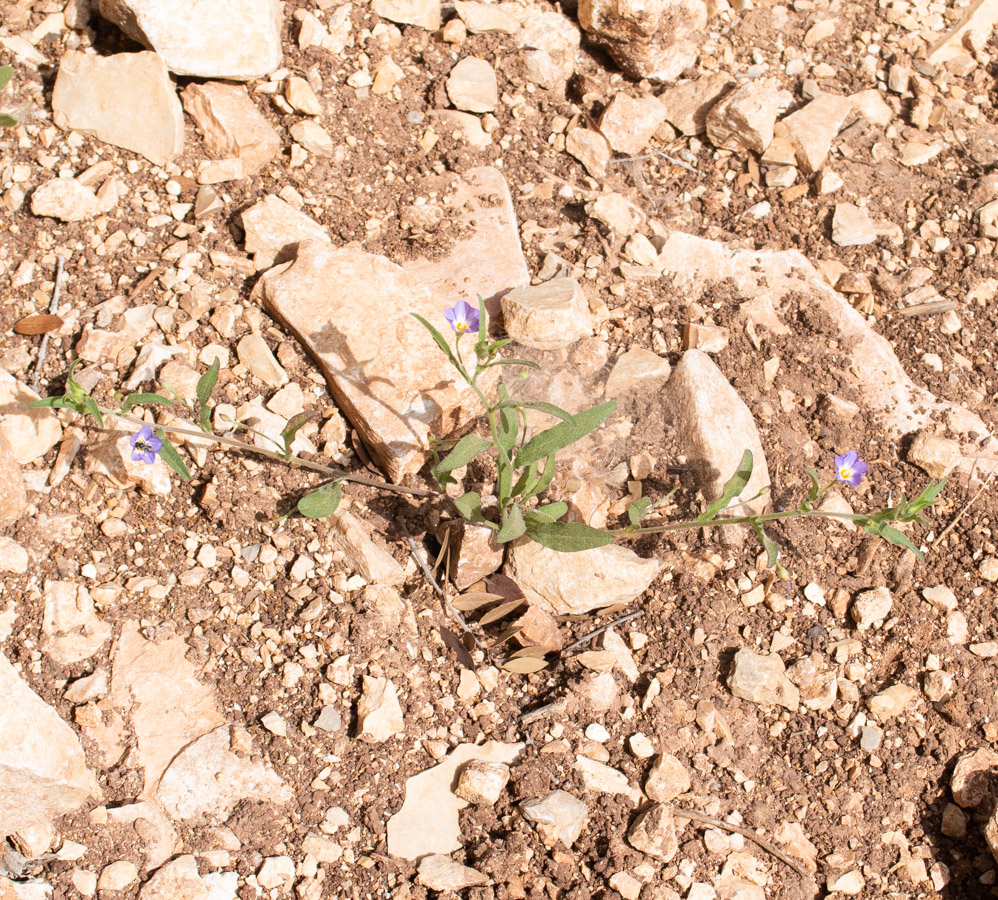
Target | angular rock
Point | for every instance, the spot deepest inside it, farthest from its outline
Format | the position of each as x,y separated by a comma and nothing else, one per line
655,40
374,564
411,833
13,557
441,873
256,356
870,607
64,199
654,832
629,123
941,597
111,455
818,689
482,782
480,18
991,833
597,776
126,99
30,433
973,775
276,872
591,149
234,39
13,498
274,229
549,43
314,138
936,456
567,584
688,103
614,211
43,770
715,428
167,706
208,779
973,30
118,876
159,838
872,106
71,629
549,315
667,779
762,679
177,880
475,552
298,92
637,370
558,816
472,86
464,125
379,714
891,702
812,129
745,118
424,13
231,124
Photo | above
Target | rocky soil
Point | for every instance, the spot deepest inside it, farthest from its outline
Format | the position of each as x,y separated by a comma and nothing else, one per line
753,225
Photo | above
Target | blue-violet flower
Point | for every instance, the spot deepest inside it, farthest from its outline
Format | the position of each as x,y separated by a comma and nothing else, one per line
462,317
145,445
850,468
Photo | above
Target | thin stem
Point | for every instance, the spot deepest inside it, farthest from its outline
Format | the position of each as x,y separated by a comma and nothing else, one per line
740,520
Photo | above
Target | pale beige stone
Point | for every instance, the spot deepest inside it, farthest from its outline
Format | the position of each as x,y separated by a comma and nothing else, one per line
548,316
472,86
64,199
13,498
688,103
629,123
424,13
637,370
667,779
812,129
654,833
177,880
892,701
973,29
558,817
231,124
126,99
935,455
71,629
441,873
30,433
274,229
745,118
379,714
762,679
972,776
371,561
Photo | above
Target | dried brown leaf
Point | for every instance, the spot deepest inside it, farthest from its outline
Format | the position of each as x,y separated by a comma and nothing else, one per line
504,585
524,665
38,324
475,599
453,642
500,612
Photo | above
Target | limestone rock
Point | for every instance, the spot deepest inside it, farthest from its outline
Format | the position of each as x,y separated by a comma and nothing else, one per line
480,18
973,30
379,715
591,149
167,706
991,833
574,583
614,211
274,230
482,782
276,872
549,43
13,557
667,779
13,498
64,199
745,118
234,39
111,455
655,40
762,679
688,103
629,123
812,129
654,832
891,702
852,226
441,873
935,455
974,773
126,99
118,875
464,125
715,428
314,138
29,433
43,770
637,370
71,629
558,816
472,86
231,124
870,607
424,13
549,315
412,833
256,356
374,564
475,552
597,776
299,94
177,880
208,778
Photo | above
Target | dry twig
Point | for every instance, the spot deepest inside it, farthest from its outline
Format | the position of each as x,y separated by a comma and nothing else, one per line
53,309
413,550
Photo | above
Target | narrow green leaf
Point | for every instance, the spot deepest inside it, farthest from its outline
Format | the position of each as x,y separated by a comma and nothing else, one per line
513,362
509,429
504,482
440,341
168,453
563,434
466,450
734,487
568,537
7,120
891,534
550,513
546,477
550,409
815,488
768,544
206,384
321,502
90,405
513,527
144,400
295,424
526,481
470,506
6,73
50,402
638,510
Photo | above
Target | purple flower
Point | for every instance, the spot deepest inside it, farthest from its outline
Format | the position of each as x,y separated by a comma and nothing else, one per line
145,445
850,468
462,317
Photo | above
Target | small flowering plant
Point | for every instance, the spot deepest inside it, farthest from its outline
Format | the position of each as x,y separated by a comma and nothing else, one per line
526,468
145,445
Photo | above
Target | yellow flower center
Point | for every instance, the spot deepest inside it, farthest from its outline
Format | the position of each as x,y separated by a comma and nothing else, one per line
461,326
844,472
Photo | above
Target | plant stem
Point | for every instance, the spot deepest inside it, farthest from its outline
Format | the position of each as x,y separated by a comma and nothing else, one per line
739,520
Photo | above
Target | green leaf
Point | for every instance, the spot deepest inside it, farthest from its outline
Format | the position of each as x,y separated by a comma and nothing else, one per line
734,487
509,429
550,513
54,402
513,527
563,434
206,384
321,502
548,408
909,511
439,338
295,424
470,506
891,534
526,481
7,120
168,453
466,450
513,362
815,488
547,476
143,400
6,73
768,544
90,405
638,510
568,537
